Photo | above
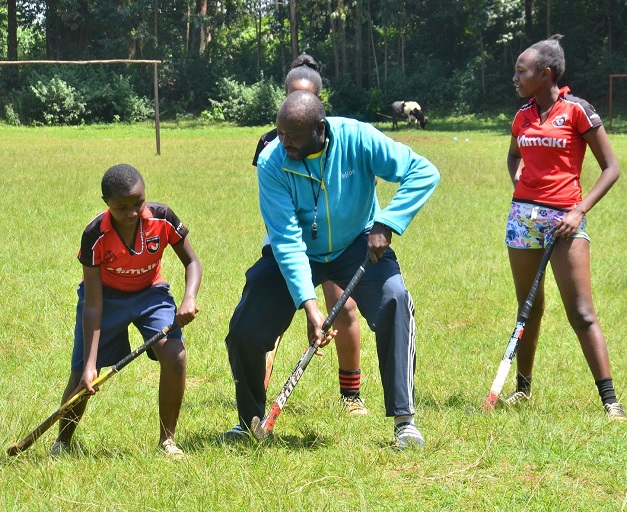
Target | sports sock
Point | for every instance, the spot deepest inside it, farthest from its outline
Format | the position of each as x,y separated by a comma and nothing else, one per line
523,383
606,390
350,382
404,418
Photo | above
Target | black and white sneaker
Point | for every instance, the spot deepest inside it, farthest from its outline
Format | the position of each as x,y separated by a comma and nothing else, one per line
408,436
237,433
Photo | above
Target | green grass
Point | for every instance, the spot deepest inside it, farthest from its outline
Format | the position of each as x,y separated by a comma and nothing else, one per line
558,454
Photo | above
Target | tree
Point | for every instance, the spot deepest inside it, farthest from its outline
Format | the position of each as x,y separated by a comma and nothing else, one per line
12,30
294,28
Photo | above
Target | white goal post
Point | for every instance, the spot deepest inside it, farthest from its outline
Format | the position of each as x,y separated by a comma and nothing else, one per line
155,64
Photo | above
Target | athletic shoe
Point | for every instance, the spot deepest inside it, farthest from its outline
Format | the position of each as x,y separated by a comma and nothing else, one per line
236,434
517,397
408,436
354,405
615,412
59,448
171,451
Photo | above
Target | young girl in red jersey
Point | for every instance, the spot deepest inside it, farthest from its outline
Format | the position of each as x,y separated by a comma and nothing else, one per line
121,251
549,139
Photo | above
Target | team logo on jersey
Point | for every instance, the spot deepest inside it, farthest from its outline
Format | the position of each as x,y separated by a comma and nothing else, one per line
109,257
559,121
152,244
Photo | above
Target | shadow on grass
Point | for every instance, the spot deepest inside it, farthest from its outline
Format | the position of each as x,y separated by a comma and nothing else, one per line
199,441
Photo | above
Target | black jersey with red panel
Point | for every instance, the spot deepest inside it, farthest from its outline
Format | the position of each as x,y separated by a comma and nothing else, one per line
131,269
265,139
553,150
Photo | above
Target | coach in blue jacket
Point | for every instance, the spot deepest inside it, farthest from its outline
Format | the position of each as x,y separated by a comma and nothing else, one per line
318,200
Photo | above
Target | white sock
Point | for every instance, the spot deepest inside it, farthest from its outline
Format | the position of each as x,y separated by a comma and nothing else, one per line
404,418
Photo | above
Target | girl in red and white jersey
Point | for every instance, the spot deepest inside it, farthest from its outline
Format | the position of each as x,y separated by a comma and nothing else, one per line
548,144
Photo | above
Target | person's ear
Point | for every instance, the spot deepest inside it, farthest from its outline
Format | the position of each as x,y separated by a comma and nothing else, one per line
321,127
105,200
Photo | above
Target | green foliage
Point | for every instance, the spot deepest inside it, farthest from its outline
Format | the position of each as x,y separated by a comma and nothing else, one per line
11,116
256,104
60,103
112,96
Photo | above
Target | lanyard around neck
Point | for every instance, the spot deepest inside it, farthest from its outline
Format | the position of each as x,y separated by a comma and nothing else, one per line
316,196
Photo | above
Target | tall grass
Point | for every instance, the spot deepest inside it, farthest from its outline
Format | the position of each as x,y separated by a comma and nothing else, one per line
557,454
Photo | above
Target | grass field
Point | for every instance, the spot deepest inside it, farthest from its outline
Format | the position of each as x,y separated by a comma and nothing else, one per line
557,454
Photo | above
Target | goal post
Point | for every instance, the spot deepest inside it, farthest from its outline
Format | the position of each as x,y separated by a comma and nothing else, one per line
612,77
155,64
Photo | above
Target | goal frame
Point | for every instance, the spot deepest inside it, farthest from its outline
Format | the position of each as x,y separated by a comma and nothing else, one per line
155,64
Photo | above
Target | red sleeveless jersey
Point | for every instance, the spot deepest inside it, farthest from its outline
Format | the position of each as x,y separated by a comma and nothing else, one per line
131,269
553,151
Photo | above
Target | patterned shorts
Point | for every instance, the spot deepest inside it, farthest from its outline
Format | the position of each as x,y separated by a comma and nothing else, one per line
529,226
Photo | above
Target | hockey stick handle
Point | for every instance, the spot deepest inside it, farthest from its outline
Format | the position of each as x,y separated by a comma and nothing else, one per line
531,296
517,333
350,287
261,429
82,395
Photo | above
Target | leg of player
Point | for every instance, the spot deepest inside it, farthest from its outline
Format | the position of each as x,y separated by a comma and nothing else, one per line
172,359
572,274
347,342
69,422
524,264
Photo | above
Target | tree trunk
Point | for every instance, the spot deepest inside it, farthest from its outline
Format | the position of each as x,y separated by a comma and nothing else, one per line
528,18
12,30
294,28
374,48
359,51
341,10
200,29
385,54
258,34
336,54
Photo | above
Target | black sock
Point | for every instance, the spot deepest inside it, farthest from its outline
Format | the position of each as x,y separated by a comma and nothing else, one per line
523,383
606,390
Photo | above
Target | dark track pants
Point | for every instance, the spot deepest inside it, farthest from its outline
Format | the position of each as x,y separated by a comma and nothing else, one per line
266,309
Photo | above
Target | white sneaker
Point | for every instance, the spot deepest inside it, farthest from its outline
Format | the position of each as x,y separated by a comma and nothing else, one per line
408,436
615,412
170,449
354,405
517,397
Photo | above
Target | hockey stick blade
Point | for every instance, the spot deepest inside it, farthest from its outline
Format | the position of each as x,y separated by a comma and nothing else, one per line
261,429
82,395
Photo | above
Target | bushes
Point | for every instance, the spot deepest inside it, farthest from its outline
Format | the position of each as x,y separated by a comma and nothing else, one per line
252,105
59,102
71,95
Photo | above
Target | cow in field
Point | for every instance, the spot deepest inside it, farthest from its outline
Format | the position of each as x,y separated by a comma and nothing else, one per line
410,110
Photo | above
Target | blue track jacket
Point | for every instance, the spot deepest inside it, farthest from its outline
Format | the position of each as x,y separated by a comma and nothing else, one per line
344,177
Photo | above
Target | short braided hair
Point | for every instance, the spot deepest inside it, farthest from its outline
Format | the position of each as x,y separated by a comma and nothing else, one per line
550,54
119,180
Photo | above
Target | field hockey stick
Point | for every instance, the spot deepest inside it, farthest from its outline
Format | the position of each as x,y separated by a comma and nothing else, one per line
262,429
82,395
514,340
